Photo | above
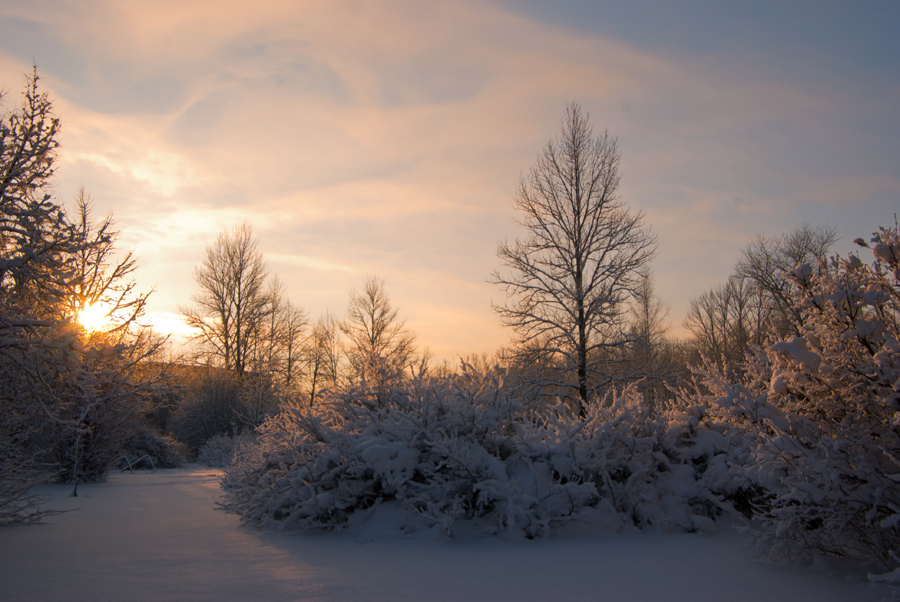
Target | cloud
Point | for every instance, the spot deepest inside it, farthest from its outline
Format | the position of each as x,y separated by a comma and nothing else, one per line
162,173
315,263
368,137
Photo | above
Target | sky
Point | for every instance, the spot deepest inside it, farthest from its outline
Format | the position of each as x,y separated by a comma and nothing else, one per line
386,138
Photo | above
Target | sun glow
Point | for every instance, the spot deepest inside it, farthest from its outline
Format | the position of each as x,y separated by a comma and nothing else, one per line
93,317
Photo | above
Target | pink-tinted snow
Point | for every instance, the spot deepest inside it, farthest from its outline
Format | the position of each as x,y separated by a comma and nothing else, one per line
157,536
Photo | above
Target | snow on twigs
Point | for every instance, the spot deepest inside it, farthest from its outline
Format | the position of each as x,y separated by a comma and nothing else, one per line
819,418
458,450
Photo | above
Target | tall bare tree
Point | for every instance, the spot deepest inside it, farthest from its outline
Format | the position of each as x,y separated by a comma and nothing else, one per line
234,300
649,320
655,357
293,321
377,337
571,276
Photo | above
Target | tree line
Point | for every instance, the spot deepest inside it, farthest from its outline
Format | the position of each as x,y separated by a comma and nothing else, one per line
246,327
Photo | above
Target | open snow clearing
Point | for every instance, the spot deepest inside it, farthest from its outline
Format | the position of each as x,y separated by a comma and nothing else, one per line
158,536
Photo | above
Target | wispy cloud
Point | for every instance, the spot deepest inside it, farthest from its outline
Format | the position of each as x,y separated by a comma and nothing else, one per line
369,137
315,263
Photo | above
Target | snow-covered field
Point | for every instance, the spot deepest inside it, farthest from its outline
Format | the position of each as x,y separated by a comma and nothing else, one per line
157,536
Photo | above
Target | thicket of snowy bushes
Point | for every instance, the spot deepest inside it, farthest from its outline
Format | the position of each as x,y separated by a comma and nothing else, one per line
804,444
458,448
819,415
221,450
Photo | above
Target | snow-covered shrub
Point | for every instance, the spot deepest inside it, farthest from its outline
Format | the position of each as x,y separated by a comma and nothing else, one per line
216,402
220,451
459,449
217,452
21,467
655,464
18,505
146,449
210,406
68,404
821,414
20,420
94,410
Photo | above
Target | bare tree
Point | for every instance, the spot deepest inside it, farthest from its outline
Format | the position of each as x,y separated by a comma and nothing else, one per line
293,322
571,277
101,279
322,353
654,359
649,319
765,261
756,302
234,300
377,338
725,320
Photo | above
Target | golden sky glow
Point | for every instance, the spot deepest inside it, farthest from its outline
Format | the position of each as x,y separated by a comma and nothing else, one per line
386,138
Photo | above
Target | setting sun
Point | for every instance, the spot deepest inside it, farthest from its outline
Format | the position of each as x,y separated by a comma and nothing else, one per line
93,317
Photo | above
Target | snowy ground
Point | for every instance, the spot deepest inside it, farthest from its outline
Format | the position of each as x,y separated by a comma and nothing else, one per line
156,536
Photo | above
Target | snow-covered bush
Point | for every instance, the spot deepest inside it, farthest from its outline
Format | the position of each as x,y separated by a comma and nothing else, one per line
659,467
146,449
18,505
458,449
216,402
820,414
220,451
94,410
20,468
65,408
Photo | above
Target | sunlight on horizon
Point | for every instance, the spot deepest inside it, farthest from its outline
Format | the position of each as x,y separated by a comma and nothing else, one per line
170,324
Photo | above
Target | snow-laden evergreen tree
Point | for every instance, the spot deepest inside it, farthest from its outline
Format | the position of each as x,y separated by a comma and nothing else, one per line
33,238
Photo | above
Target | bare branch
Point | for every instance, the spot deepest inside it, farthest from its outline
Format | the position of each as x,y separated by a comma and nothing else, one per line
570,278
